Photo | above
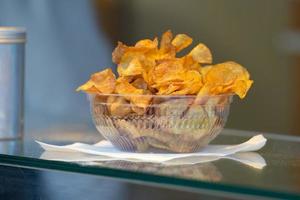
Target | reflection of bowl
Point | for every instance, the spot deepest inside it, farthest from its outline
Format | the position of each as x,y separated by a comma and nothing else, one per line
173,123
200,171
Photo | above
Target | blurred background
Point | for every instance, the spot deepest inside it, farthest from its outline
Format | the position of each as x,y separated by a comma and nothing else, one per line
69,40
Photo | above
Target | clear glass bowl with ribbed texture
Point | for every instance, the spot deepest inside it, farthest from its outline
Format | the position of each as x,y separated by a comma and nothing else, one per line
173,123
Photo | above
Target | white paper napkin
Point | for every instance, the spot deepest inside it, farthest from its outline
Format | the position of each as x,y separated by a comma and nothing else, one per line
109,152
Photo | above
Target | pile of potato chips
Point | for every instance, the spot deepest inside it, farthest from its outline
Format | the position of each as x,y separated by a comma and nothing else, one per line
151,68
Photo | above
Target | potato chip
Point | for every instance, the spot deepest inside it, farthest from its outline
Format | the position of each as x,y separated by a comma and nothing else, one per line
205,69
181,41
151,44
201,54
134,67
166,50
228,77
190,63
124,87
138,97
151,67
166,41
104,81
140,83
100,99
88,87
118,106
118,52
192,83
172,77
240,88
141,101
128,128
169,70
226,73
100,82
169,88
137,59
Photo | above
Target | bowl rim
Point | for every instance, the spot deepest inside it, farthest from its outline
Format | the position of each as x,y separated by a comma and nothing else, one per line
163,96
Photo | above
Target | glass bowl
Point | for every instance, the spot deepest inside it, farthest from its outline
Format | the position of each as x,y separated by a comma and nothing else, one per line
173,123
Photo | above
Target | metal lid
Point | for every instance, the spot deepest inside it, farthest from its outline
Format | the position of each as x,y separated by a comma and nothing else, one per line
12,34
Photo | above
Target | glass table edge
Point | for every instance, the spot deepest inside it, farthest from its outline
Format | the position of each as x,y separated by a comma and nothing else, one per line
143,177
268,135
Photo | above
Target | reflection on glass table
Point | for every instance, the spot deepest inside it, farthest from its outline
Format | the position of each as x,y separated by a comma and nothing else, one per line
271,172
251,159
30,184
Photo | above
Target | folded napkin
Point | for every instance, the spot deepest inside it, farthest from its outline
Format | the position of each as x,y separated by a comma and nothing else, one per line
108,152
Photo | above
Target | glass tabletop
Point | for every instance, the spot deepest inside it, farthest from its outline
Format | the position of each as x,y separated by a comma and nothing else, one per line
271,172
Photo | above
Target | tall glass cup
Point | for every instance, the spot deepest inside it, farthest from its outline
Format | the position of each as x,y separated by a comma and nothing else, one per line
12,49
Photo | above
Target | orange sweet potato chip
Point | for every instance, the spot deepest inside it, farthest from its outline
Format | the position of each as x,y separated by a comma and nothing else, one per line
173,77
88,87
189,63
119,52
124,87
181,41
135,60
228,77
151,44
140,83
100,82
166,41
138,97
166,49
169,88
131,67
192,83
201,54
168,71
118,106
151,67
